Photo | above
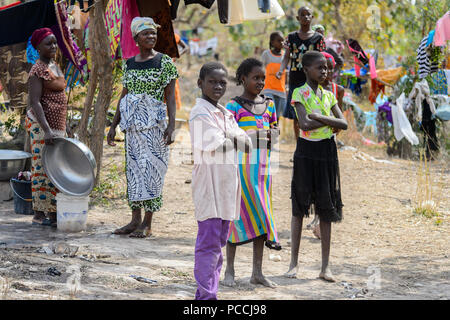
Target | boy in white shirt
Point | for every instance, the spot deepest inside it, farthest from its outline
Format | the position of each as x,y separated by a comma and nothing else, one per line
216,191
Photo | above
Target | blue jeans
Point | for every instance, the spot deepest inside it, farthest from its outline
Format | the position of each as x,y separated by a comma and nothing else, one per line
280,103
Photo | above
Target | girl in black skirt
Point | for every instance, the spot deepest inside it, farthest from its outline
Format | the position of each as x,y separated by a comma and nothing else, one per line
316,168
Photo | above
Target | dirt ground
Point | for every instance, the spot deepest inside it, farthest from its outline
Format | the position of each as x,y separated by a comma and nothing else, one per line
381,249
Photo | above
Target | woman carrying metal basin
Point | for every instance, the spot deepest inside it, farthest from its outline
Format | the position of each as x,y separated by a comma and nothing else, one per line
46,120
148,80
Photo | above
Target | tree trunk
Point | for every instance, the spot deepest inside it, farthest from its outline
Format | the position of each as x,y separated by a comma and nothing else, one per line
101,58
337,15
82,131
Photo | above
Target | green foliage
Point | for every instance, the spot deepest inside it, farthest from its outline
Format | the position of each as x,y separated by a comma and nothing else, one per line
12,124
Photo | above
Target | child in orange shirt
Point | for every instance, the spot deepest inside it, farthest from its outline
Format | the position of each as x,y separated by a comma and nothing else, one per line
275,88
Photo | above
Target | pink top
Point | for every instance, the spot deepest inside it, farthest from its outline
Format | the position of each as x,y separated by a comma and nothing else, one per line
442,32
216,188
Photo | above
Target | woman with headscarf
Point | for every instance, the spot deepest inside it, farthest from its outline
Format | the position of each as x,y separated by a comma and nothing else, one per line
46,120
148,81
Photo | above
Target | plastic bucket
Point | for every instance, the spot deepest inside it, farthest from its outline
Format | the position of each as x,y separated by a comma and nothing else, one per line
71,212
22,196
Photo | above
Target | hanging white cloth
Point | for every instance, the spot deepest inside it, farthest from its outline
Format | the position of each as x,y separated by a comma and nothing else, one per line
421,91
402,127
245,10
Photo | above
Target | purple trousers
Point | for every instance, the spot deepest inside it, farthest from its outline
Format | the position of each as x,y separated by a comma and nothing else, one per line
211,238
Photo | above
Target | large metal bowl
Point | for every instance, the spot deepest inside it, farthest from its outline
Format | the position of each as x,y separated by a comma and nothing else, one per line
70,165
11,163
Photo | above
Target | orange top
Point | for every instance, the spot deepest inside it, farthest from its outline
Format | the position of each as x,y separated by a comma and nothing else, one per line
273,63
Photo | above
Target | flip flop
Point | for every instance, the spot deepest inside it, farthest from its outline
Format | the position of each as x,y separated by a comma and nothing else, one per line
273,245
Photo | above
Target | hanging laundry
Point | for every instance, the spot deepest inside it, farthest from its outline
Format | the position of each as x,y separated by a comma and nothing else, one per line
438,82
372,68
65,41
207,47
391,76
402,127
426,66
18,23
206,3
447,76
442,33
159,10
430,37
129,11
387,110
375,89
428,127
222,9
72,76
174,4
81,4
418,94
87,49
371,120
32,53
264,6
113,15
357,51
244,10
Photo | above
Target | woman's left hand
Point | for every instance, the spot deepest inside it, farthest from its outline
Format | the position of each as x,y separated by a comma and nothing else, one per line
169,136
314,116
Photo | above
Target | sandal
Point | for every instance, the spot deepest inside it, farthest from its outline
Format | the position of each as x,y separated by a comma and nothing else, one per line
273,245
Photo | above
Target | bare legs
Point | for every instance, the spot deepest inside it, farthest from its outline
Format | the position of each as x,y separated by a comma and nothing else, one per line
38,217
137,228
229,271
44,219
257,274
325,231
296,232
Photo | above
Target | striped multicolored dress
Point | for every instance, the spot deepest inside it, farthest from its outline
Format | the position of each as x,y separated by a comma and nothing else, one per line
256,214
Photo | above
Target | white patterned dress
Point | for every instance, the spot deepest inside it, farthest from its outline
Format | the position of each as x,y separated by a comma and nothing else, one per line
143,118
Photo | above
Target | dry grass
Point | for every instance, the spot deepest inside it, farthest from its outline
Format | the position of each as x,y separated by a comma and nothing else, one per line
428,193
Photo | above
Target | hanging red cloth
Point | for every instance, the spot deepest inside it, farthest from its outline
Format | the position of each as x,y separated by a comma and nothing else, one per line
375,88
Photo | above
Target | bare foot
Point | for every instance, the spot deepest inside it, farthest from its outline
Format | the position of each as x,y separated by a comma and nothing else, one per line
260,279
129,228
316,231
292,272
327,275
229,280
38,218
141,233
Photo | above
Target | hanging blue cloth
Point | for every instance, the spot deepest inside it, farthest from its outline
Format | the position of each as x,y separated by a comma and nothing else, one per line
32,53
371,120
430,37
264,6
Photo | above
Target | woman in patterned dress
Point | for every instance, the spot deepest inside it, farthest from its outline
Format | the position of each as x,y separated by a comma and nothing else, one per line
256,115
46,120
148,80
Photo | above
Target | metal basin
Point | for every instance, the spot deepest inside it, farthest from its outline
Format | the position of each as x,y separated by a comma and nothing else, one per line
70,165
11,163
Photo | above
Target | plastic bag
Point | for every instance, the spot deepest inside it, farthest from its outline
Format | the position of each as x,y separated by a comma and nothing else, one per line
402,127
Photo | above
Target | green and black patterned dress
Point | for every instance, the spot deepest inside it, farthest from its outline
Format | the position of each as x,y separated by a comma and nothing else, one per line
147,154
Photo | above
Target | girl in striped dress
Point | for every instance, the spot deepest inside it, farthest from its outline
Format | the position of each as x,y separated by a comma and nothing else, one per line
256,115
